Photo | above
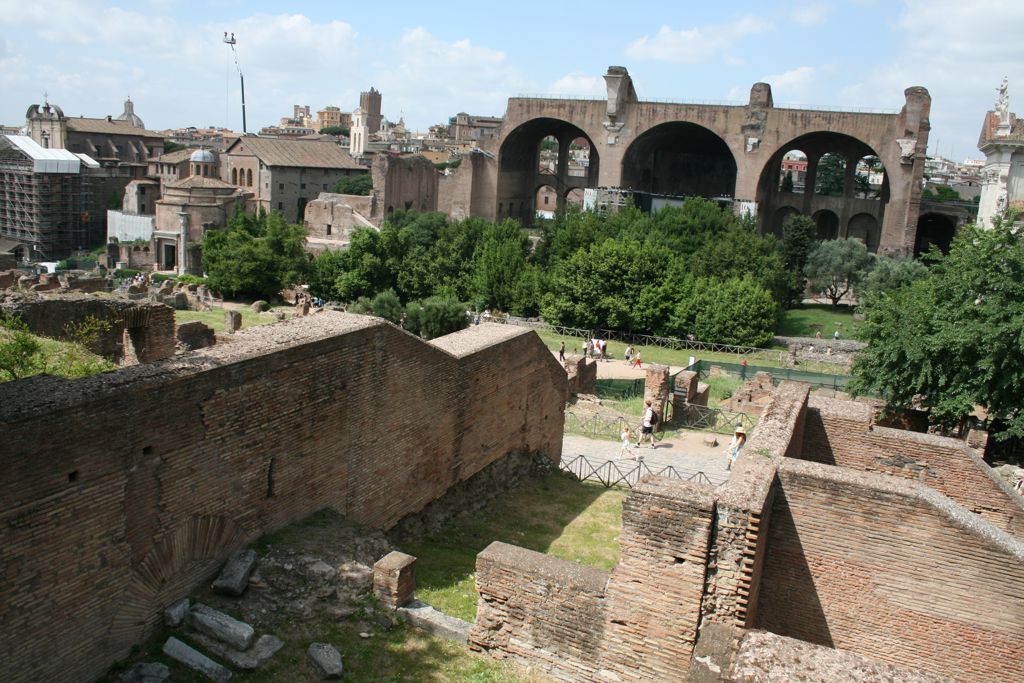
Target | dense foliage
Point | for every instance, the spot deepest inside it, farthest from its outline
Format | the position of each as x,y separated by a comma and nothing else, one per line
955,336
255,255
694,270
836,267
797,241
360,185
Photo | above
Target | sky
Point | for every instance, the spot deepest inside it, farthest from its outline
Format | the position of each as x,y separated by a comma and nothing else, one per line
433,60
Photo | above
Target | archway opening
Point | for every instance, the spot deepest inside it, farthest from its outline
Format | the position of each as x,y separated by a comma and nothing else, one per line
779,219
793,172
680,159
574,197
827,223
546,201
934,229
869,178
864,227
830,176
527,161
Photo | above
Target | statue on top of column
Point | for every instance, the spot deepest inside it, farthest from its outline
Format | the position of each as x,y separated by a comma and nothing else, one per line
1003,102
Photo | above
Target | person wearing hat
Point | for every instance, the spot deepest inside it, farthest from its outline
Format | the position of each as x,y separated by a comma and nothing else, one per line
738,439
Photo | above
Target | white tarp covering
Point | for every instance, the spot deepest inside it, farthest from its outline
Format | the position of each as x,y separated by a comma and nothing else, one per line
127,227
45,160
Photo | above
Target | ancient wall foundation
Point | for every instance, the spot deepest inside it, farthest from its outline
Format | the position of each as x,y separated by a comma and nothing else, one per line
123,491
890,575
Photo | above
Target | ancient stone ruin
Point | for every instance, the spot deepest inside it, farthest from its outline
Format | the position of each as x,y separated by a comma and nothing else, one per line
838,550
145,480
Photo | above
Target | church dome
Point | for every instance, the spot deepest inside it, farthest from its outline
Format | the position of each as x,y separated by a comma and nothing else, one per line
130,116
202,156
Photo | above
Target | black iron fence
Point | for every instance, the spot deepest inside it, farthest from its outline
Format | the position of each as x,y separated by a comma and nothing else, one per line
626,473
818,380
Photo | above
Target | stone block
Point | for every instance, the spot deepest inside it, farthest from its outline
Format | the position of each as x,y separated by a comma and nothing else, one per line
195,660
259,306
146,672
232,321
394,578
180,301
265,647
326,659
223,627
434,622
195,335
234,578
175,615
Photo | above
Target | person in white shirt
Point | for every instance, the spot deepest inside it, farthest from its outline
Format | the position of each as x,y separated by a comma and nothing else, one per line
736,445
647,426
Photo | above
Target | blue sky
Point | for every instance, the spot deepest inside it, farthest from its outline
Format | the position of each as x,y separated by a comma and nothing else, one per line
432,60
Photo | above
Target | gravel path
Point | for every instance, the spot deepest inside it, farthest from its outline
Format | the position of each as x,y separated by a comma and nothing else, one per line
687,454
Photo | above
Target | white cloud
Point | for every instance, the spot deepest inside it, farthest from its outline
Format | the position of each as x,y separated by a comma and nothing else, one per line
813,14
436,79
579,84
697,44
793,86
960,52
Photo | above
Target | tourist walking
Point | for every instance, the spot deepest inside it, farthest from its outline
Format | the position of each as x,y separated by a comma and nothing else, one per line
736,445
647,425
636,360
629,353
627,440
561,352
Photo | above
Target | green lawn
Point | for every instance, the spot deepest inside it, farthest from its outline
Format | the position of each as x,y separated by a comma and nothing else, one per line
215,318
552,513
773,358
809,318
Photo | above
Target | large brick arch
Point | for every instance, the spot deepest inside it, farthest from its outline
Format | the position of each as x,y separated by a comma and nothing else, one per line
680,158
518,176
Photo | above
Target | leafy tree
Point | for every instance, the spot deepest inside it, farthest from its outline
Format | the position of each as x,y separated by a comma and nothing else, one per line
888,275
942,193
387,306
837,266
500,259
171,146
798,233
255,255
20,350
831,175
787,182
435,317
359,185
735,311
956,336
334,130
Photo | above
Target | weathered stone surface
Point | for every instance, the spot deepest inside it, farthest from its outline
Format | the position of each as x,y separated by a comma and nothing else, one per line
175,615
221,626
232,321
259,306
326,659
265,647
195,335
180,301
234,578
394,578
195,660
434,622
146,672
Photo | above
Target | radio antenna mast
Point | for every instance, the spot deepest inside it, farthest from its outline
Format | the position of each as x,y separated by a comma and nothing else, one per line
231,41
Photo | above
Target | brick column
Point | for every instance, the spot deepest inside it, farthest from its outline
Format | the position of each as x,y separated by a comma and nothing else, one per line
394,579
656,389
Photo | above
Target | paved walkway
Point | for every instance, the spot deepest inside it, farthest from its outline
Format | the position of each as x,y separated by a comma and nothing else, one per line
686,454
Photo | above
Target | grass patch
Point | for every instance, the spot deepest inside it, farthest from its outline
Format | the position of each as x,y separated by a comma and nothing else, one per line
215,318
807,319
721,388
65,359
551,513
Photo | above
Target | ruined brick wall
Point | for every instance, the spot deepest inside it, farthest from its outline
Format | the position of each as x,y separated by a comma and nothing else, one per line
654,593
582,375
146,327
840,433
403,183
890,569
540,610
122,492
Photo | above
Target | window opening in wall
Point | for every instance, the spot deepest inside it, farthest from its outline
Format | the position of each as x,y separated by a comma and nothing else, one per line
72,476
146,450
270,478
328,228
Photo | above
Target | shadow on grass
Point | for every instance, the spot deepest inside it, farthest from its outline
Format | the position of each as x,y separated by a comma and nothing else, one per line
551,513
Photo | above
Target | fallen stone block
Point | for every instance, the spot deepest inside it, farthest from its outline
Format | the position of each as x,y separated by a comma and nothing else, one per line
218,625
195,660
326,659
232,321
195,335
234,578
146,672
175,615
265,647
426,618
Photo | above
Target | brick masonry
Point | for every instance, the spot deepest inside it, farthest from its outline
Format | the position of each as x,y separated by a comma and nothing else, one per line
890,571
122,492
